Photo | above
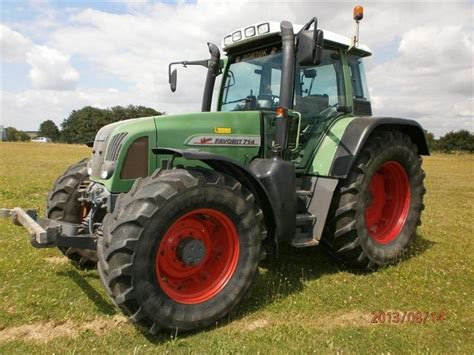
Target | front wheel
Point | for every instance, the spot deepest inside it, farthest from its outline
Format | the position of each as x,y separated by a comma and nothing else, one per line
63,205
181,248
376,210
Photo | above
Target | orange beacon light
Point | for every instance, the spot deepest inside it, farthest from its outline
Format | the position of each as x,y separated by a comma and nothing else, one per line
358,13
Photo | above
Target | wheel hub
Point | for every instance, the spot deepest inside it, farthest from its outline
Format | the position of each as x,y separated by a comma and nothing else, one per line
191,251
389,202
197,256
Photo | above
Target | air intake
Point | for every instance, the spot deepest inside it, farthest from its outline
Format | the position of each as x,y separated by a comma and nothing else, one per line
114,146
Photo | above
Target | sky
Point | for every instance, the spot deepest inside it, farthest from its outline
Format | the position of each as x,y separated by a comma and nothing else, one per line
58,56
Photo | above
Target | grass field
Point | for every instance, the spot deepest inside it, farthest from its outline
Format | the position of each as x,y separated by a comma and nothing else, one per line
301,303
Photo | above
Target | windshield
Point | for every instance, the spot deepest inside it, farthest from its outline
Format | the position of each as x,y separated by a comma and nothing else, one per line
253,81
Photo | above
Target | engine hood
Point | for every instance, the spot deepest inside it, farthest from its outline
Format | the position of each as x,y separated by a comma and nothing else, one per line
233,134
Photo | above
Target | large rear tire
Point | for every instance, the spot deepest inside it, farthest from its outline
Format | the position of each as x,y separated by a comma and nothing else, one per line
375,211
63,205
181,248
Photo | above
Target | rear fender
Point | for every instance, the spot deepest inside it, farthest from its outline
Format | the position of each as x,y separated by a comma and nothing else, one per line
359,130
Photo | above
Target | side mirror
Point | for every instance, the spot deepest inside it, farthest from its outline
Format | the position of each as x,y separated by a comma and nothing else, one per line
310,47
173,80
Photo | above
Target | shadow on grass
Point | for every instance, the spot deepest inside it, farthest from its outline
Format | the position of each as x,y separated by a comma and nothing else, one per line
101,303
417,247
278,279
286,275
282,277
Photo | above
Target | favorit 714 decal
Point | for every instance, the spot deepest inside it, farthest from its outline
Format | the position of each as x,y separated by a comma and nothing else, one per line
228,140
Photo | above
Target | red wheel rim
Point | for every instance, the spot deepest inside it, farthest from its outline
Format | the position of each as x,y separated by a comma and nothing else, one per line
210,240
389,205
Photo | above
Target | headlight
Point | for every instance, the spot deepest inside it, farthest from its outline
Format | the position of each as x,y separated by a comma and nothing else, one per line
263,28
89,167
107,170
250,31
228,40
237,36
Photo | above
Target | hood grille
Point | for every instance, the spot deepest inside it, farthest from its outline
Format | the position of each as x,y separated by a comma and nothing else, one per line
114,146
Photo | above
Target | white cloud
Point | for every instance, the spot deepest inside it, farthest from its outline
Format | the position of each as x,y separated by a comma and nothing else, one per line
430,80
13,45
51,69
426,74
27,109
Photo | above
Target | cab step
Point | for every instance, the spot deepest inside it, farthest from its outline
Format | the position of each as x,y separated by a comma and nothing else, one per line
304,234
303,240
304,193
304,219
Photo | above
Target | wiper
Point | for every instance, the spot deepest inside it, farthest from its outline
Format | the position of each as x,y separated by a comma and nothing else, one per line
246,99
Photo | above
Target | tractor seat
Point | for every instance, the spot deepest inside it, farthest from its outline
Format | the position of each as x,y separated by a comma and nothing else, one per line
310,106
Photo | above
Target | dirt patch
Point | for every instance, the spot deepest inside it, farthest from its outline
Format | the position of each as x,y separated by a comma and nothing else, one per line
57,260
327,321
349,319
102,325
45,332
39,332
10,309
256,324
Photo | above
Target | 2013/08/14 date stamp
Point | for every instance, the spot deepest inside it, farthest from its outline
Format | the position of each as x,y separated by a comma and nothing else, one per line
411,317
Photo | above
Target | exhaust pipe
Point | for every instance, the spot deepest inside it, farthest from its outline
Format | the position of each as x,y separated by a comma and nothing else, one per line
286,88
212,73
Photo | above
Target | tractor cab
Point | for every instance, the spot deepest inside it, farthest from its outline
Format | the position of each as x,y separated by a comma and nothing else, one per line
323,90
318,91
252,76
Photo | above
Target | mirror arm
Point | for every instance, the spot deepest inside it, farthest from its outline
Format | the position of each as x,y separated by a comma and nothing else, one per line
308,25
204,63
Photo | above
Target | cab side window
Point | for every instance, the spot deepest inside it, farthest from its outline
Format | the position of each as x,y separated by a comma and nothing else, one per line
319,89
360,91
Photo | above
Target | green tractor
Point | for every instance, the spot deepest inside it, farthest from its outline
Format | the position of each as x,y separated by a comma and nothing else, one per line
178,210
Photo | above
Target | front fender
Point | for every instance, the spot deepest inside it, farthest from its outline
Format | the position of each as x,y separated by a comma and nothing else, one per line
233,168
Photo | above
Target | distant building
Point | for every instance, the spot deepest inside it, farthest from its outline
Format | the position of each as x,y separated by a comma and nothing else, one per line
3,134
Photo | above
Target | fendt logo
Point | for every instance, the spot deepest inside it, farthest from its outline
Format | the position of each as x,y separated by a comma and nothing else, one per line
227,140
205,140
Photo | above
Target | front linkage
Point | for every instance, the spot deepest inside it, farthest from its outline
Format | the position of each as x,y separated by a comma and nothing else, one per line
47,233
65,234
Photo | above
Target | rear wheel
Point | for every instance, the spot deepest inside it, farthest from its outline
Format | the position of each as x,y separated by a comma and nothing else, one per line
181,248
63,205
376,210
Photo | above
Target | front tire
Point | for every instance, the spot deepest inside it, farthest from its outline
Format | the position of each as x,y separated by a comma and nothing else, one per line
63,205
376,209
181,248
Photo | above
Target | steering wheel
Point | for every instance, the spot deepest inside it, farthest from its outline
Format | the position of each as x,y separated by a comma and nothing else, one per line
274,99
328,111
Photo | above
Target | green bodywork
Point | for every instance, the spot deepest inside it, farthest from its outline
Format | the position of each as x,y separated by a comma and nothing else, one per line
174,131
313,157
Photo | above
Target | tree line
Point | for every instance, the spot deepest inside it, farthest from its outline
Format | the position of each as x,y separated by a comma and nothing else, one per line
82,125
454,141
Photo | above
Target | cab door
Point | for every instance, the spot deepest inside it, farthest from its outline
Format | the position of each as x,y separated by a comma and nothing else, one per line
319,91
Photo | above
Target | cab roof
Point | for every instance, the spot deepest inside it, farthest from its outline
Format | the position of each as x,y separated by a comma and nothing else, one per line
258,31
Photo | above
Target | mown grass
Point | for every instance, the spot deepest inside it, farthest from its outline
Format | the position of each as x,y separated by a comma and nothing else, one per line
301,303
